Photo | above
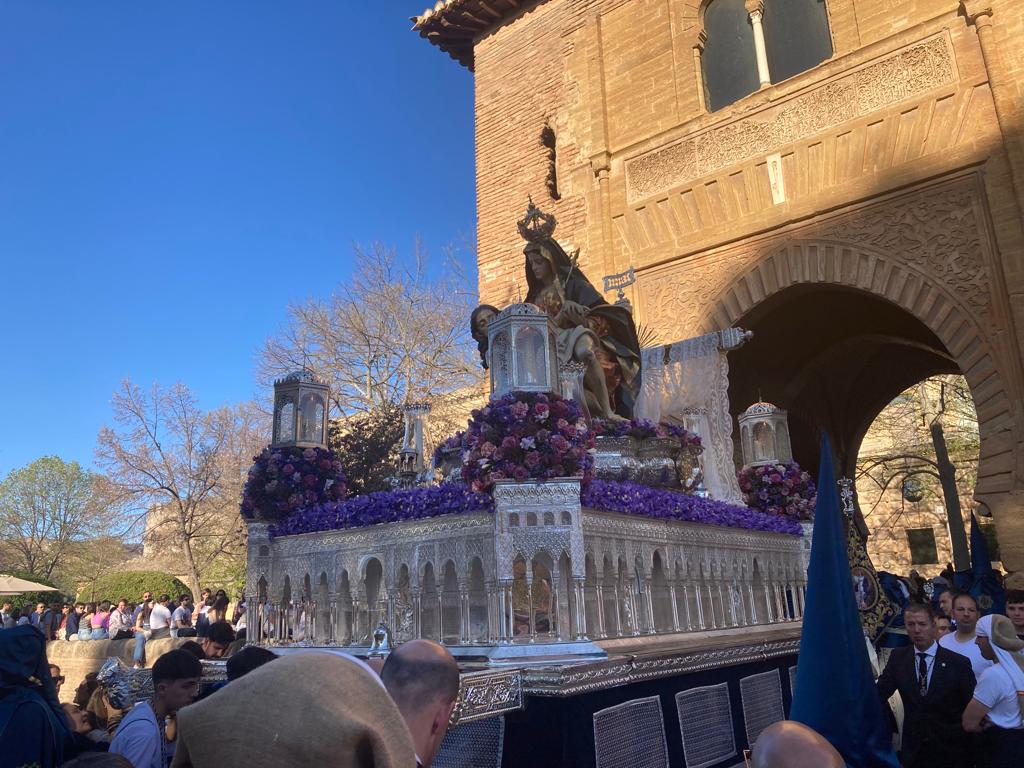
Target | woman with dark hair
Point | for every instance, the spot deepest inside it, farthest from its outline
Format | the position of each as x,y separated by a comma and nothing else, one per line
85,625
478,321
597,334
219,610
33,727
100,620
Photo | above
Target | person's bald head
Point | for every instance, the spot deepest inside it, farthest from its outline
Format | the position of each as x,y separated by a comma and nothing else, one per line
418,671
789,744
423,679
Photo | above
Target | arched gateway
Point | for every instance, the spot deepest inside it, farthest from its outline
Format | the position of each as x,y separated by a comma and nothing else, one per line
850,308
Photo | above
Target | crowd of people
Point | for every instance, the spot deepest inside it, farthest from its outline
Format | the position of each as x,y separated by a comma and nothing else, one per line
961,683
393,713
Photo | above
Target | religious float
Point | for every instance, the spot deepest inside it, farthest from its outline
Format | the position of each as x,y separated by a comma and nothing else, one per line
582,548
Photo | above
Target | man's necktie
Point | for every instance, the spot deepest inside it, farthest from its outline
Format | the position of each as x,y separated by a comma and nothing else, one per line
922,672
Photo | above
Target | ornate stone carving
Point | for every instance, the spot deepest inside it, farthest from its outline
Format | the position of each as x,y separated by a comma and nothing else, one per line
919,68
934,232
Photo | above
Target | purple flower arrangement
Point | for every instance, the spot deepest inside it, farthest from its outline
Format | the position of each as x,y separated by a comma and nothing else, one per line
284,480
644,501
642,429
779,489
386,507
457,499
526,435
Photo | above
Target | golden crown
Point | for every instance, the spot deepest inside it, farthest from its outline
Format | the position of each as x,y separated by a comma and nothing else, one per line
536,226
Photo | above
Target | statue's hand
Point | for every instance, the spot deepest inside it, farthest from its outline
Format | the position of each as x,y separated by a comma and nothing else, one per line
574,312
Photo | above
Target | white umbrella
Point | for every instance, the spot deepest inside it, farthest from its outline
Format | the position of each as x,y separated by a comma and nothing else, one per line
12,585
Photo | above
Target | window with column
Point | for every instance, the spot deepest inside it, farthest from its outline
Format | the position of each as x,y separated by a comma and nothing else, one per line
746,45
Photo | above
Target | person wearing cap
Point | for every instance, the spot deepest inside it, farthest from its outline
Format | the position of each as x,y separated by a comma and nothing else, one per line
304,709
998,701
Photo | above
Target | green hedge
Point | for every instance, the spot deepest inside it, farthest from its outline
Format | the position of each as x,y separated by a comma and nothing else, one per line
131,585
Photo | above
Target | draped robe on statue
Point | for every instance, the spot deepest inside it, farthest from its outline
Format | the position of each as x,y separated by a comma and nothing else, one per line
611,326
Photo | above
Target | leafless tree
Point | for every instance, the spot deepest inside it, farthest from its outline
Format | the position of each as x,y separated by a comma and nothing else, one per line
181,470
927,439
45,507
394,331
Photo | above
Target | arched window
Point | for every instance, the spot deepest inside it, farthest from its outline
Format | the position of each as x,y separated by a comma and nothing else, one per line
729,60
796,36
749,44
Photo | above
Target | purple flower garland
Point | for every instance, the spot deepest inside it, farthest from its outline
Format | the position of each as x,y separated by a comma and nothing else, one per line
643,501
456,498
386,507
283,480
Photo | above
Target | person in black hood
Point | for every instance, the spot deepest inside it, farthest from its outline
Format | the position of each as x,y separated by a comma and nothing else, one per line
33,727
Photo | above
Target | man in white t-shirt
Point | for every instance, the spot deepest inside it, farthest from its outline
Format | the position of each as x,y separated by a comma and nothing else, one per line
965,611
995,711
160,619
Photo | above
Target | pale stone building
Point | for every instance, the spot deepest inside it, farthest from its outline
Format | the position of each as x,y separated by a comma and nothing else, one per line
842,177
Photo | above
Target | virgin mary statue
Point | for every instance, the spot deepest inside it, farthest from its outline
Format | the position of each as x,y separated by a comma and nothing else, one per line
593,332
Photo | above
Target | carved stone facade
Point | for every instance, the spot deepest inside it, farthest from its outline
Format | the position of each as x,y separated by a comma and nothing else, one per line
893,170
539,571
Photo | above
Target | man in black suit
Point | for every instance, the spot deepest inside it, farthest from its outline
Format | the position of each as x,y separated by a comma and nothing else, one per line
936,685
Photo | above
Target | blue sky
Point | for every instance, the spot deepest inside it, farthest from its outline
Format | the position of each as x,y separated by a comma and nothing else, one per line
172,175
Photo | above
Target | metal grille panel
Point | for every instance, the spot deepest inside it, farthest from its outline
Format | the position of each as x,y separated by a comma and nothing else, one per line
477,744
631,735
705,722
762,702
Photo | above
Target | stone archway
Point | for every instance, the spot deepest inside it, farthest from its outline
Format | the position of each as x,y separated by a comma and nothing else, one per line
841,326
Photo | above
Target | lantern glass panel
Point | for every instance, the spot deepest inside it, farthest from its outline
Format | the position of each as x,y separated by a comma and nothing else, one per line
500,363
312,417
764,442
530,358
286,421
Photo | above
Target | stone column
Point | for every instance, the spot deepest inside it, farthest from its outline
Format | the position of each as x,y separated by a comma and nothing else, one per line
440,611
464,613
581,609
753,602
652,626
979,13
711,602
701,622
756,9
686,606
529,602
600,631
675,607
698,68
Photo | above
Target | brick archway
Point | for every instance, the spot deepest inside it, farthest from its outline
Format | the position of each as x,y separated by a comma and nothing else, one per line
795,272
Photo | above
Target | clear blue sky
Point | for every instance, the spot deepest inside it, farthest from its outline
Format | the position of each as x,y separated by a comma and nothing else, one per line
173,174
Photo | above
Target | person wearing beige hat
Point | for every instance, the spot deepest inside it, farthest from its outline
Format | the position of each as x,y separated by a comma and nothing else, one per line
998,703
305,709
